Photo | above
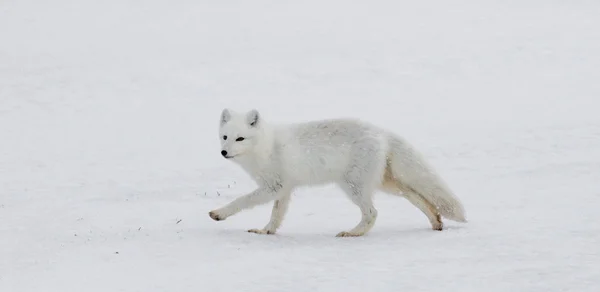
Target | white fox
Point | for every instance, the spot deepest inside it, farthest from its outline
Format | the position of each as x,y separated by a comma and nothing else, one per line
357,156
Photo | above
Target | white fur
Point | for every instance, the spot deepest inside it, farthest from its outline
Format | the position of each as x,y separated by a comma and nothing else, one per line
357,156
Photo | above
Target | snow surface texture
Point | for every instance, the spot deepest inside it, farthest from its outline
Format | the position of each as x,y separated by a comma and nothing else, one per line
109,155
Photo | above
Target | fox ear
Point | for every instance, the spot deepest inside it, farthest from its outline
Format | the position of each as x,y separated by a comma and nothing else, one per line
253,118
225,116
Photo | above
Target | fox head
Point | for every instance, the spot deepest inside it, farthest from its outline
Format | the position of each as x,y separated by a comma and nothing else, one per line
239,133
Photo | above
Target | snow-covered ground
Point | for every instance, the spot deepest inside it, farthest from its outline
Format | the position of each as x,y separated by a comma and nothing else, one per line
109,154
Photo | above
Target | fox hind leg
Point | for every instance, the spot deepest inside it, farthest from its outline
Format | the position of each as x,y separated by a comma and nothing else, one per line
362,198
427,208
360,182
392,186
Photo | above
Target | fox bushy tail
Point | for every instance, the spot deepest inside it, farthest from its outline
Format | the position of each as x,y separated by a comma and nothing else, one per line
414,173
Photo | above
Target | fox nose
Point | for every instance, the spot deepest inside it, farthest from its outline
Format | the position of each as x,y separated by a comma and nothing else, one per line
224,153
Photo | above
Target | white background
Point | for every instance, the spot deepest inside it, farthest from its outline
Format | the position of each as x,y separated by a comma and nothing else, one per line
109,154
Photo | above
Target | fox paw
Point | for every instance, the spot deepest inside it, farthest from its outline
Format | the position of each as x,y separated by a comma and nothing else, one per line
438,224
261,231
216,216
348,234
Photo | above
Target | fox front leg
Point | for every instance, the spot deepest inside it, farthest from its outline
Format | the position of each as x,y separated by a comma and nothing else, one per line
260,196
280,207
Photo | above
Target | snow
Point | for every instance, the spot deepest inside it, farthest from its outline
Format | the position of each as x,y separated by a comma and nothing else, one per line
109,155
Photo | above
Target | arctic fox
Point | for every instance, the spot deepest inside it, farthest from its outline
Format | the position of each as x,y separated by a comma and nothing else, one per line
359,157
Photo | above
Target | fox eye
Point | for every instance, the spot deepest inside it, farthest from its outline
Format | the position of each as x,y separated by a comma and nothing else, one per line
224,137
240,139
